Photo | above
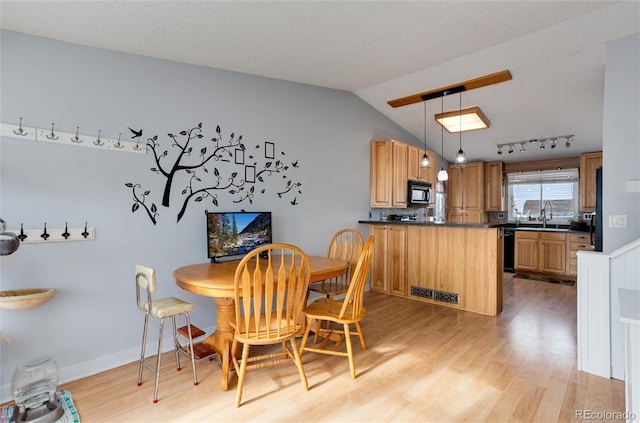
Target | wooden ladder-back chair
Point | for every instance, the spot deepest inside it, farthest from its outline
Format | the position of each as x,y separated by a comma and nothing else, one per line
345,312
270,291
345,245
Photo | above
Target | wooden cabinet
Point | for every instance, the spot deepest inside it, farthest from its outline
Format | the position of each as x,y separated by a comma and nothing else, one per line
389,258
526,251
552,253
588,165
399,174
576,242
541,252
466,192
458,267
388,173
494,192
414,169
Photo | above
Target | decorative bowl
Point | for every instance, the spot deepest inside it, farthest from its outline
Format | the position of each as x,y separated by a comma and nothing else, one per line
23,299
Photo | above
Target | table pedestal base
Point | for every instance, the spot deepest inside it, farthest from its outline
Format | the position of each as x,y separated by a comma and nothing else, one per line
222,339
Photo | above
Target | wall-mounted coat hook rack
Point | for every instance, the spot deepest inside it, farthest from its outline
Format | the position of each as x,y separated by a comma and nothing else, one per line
48,235
52,136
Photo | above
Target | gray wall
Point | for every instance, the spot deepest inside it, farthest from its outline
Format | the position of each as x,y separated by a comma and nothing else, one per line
621,140
92,323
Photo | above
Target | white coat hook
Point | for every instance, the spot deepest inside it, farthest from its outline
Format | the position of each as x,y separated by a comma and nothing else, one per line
98,141
52,136
76,139
20,131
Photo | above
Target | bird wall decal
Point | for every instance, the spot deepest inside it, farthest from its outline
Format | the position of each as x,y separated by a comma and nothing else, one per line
136,134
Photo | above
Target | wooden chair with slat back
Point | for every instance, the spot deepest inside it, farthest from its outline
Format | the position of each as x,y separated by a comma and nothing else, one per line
270,290
345,312
346,244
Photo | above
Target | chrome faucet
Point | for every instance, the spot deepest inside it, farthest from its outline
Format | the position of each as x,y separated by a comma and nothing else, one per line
546,215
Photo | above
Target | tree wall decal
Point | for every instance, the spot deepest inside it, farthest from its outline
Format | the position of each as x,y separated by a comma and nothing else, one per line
231,176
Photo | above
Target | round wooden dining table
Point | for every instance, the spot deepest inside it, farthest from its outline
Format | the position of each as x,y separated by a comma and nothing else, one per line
217,280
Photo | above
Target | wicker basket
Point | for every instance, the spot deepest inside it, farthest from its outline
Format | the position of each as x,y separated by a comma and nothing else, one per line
22,299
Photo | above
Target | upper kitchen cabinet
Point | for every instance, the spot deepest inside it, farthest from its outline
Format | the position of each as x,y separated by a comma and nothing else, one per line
415,171
465,192
588,164
494,188
389,173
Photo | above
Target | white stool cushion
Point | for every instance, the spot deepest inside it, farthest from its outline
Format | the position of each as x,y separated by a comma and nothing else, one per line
170,306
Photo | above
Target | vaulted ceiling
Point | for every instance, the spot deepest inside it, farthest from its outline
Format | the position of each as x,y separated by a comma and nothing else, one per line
382,50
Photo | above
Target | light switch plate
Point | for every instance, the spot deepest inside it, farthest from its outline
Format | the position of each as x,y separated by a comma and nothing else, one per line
618,221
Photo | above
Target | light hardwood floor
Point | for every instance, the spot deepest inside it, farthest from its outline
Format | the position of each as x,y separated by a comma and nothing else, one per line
424,363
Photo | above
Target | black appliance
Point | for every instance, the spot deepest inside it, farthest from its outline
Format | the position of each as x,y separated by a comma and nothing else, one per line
419,193
509,248
596,218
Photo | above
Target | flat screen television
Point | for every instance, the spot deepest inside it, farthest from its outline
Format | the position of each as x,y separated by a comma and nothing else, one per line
232,235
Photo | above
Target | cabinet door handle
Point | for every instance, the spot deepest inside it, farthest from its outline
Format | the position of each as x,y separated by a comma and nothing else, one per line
581,246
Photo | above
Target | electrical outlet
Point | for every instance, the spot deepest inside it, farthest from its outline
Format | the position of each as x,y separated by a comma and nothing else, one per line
370,215
500,215
586,216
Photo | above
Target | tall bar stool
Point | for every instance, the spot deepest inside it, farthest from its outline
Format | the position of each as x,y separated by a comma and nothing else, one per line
161,308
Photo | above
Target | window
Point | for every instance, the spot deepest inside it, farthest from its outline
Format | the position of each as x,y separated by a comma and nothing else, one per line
528,192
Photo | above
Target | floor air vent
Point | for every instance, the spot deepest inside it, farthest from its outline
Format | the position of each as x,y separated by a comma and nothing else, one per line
422,292
447,297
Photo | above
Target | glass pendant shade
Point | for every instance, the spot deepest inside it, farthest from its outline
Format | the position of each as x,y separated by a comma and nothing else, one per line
424,163
443,175
461,159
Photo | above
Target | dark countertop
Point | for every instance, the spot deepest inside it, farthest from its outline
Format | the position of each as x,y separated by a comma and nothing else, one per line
419,223
506,226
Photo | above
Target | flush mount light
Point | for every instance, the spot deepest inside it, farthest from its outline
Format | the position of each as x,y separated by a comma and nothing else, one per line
468,119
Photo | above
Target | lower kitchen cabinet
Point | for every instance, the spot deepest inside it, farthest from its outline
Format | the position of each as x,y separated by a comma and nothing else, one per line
576,242
388,262
541,252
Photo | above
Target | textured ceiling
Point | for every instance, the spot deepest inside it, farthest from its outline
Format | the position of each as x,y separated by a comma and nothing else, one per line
379,50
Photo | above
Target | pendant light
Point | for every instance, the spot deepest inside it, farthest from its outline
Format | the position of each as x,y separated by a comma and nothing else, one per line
442,174
461,159
424,163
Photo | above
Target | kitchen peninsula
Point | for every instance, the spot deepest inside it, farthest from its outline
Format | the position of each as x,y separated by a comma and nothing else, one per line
457,265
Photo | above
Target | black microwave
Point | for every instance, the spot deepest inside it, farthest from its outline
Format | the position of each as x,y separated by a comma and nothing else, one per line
419,193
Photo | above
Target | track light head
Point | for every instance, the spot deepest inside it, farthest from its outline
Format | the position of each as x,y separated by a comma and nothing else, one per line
510,148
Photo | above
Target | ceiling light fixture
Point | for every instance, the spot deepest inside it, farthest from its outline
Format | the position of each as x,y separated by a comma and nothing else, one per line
541,143
424,163
442,174
468,119
461,159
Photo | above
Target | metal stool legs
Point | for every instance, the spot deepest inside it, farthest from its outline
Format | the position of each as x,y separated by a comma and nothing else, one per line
177,348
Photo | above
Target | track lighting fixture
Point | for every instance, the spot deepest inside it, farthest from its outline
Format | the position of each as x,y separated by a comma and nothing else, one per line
540,141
